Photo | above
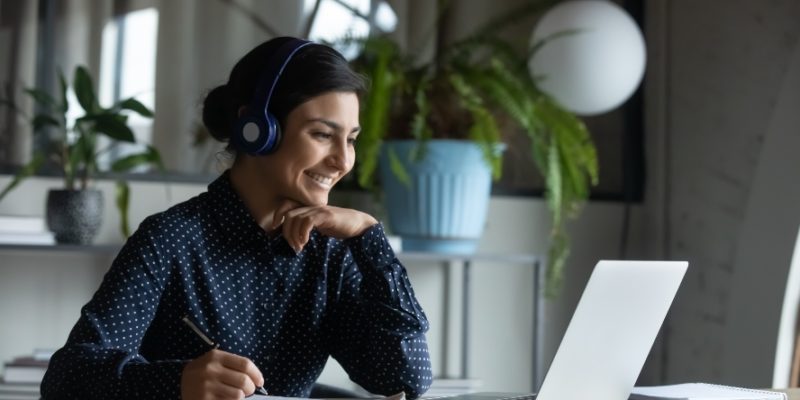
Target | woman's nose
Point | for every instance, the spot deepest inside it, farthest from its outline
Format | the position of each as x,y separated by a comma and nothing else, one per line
340,157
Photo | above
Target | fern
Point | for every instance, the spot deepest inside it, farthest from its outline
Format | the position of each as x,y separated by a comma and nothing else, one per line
463,92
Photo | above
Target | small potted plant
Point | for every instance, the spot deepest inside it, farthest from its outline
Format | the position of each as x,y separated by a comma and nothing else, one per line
74,212
473,92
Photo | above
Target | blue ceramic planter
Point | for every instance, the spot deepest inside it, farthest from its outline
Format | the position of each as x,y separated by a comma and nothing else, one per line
444,208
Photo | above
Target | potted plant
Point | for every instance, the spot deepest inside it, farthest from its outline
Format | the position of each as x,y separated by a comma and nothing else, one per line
474,90
74,212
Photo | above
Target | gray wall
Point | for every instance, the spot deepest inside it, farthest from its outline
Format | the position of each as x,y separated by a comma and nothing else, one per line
725,110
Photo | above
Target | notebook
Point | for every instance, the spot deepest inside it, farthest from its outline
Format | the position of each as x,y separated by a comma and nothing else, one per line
610,333
702,391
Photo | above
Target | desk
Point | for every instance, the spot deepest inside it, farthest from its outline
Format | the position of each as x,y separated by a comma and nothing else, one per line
794,394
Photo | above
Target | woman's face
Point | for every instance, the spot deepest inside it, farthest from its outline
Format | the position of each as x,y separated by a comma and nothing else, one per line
317,149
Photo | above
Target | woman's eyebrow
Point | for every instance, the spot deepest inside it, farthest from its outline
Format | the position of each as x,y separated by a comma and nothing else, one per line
333,125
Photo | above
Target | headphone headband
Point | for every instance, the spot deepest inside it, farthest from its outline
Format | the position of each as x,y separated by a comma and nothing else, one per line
273,70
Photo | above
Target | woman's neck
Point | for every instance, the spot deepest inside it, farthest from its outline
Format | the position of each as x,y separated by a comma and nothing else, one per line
257,197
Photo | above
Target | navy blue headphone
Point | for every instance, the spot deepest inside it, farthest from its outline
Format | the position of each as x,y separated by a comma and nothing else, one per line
258,132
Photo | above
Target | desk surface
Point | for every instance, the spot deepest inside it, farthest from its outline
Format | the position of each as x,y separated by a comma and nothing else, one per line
794,394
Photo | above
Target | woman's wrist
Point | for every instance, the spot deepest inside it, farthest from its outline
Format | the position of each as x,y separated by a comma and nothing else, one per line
368,223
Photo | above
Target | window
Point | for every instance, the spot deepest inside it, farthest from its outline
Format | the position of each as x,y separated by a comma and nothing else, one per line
349,18
127,69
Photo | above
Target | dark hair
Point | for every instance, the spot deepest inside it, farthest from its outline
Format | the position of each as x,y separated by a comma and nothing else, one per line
312,71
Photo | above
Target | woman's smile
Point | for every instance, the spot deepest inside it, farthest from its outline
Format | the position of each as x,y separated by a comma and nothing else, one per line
323,181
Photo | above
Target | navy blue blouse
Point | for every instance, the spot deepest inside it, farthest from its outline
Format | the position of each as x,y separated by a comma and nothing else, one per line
248,291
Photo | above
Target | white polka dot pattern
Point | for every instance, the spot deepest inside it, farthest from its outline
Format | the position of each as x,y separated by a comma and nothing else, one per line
209,259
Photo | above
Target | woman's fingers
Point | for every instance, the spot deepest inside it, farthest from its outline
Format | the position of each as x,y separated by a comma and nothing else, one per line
241,373
297,226
227,392
220,375
279,216
298,221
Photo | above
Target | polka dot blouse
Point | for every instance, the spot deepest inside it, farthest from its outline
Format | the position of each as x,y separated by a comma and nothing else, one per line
208,258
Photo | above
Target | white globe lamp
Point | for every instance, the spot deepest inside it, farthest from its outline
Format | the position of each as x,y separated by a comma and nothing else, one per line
593,58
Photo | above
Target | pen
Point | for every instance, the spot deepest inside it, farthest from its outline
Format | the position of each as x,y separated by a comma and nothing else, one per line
259,389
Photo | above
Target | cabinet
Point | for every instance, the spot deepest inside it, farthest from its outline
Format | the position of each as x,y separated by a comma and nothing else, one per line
457,294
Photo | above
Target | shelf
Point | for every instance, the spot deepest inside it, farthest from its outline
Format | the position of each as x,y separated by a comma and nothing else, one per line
404,256
465,261
64,248
515,258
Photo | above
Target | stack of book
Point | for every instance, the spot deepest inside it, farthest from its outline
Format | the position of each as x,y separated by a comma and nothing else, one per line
22,376
19,391
24,229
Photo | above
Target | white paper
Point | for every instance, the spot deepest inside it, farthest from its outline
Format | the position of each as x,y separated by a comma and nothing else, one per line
703,391
398,396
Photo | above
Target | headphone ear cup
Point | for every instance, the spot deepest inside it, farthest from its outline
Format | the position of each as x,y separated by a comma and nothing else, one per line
250,134
274,134
257,136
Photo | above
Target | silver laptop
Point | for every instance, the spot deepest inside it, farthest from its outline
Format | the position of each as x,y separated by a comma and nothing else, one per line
610,334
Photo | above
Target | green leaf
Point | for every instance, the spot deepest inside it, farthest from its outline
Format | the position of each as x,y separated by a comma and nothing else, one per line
27,170
556,260
156,158
122,199
136,106
62,81
84,90
112,125
41,97
484,129
553,36
420,129
554,187
375,115
398,169
42,120
81,159
149,157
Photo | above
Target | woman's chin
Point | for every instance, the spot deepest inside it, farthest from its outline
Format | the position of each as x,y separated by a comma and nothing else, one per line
315,201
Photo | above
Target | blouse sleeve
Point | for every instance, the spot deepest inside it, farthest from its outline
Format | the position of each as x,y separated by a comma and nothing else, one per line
379,326
101,358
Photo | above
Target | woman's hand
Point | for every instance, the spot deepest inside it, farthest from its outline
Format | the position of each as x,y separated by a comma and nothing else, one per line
299,220
219,375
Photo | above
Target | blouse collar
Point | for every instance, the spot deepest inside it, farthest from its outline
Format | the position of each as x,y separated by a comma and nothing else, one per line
231,213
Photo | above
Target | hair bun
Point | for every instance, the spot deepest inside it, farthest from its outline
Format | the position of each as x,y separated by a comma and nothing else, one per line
216,113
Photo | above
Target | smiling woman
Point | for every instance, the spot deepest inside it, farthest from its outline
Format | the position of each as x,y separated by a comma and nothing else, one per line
261,262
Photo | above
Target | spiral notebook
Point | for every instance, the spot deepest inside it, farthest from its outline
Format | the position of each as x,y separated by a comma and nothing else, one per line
702,391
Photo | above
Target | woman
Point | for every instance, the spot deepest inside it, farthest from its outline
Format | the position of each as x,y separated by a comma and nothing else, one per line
260,263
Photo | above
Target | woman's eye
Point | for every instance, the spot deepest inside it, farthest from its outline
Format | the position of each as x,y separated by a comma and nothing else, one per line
351,140
322,135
